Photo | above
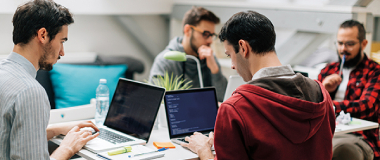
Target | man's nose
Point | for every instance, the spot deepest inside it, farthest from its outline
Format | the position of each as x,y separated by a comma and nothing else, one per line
209,40
344,48
62,52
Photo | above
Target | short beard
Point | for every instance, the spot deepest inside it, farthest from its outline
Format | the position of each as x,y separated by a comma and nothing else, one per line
42,62
193,47
352,62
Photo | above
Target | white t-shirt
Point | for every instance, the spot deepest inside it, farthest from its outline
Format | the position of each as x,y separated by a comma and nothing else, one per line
339,96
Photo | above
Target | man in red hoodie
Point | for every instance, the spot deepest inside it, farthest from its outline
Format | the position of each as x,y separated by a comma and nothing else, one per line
278,114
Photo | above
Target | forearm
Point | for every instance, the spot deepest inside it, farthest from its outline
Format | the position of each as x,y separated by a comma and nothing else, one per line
50,133
367,102
214,68
54,130
62,153
205,154
356,107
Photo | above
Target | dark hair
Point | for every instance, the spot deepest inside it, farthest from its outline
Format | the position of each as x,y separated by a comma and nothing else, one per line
251,26
37,14
197,14
353,23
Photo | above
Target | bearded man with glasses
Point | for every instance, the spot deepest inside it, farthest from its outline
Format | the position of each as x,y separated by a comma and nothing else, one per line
355,91
198,34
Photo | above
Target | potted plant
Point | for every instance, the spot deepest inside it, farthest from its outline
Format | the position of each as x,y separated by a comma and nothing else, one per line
170,83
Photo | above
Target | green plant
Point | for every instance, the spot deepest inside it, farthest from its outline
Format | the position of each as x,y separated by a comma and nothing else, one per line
171,83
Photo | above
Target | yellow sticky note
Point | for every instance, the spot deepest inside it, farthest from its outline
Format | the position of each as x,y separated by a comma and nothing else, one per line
160,145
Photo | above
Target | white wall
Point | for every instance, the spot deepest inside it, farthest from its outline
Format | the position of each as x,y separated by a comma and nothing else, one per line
91,33
103,35
97,30
101,7
6,28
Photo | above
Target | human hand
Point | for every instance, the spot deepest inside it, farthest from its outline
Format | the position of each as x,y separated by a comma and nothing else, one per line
73,142
205,52
331,82
199,143
64,128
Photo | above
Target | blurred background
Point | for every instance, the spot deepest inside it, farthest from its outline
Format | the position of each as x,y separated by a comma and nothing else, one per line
306,29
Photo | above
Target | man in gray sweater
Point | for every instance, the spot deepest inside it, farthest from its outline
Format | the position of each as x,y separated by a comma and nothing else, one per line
199,32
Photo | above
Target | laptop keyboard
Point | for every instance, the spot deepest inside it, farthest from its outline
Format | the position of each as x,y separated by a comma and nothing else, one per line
112,137
182,140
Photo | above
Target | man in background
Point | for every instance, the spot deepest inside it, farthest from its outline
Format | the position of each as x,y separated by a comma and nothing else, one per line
278,114
198,34
40,29
355,89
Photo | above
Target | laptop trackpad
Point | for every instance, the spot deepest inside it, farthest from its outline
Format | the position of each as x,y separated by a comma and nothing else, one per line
98,143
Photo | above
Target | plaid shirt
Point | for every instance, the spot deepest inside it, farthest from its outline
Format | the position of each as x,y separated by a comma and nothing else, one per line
362,97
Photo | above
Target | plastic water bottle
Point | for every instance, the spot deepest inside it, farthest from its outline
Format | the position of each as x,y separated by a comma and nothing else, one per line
102,102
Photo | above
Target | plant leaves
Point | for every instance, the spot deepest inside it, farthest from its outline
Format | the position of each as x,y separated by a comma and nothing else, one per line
171,82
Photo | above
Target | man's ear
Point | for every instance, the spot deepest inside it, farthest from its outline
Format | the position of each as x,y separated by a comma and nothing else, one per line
42,35
364,44
244,48
187,30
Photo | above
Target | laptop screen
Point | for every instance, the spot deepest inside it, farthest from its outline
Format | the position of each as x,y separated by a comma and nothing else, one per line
191,110
134,108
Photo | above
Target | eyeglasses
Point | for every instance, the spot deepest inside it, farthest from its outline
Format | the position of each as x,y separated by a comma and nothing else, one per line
349,45
205,34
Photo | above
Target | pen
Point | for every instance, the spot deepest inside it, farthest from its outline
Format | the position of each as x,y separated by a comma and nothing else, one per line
103,157
140,154
120,151
341,65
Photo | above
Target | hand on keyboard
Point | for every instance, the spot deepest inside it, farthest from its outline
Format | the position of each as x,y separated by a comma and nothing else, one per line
73,142
198,141
89,129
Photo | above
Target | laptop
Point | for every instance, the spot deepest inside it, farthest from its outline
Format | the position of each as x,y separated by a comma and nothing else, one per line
189,111
72,113
130,117
233,82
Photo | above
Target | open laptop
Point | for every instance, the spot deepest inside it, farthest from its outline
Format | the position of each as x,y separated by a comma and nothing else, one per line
72,113
130,117
233,82
189,111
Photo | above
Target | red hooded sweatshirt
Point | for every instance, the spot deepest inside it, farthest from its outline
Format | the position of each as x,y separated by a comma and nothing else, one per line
258,123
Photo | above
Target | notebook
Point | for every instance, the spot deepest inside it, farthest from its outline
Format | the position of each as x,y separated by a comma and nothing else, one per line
189,111
140,150
130,117
233,82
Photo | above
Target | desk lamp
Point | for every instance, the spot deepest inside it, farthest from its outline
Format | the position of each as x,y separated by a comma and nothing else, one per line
181,56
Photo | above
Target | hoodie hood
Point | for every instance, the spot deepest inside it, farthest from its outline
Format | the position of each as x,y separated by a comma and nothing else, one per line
175,45
295,118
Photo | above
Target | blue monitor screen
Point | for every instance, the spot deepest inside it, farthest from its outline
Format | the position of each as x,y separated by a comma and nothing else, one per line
191,111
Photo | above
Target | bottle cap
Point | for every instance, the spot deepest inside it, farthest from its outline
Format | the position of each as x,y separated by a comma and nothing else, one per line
102,81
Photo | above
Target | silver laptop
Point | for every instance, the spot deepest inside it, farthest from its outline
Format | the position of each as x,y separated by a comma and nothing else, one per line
130,117
233,82
189,111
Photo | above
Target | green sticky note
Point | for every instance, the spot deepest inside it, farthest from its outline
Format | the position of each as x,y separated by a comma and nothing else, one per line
355,122
120,151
